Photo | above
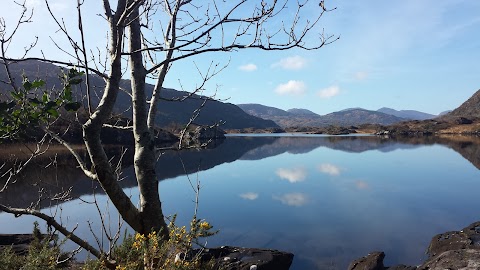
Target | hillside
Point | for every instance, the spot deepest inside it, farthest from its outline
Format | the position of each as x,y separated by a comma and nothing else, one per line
469,109
407,114
463,120
360,116
302,112
263,111
169,111
306,118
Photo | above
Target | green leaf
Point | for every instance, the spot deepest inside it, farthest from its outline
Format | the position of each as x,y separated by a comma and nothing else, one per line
45,98
53,112
34,101
35,115
38,83
72,106
75,81
50,105
17,95
27,85
67,95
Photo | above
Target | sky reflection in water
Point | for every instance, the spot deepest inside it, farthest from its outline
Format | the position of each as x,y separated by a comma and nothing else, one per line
327,206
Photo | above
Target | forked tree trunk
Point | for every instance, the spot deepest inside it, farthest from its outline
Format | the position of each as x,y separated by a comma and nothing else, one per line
151,214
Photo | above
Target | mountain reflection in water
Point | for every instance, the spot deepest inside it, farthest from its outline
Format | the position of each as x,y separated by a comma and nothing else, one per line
323,198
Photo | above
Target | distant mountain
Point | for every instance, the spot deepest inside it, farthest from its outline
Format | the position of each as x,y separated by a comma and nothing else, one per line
407,114
306,118
350,109
302,112
360,116
263,111
169,111
444,112
470,108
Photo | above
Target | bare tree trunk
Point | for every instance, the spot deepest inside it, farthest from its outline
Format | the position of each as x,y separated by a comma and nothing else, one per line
92,129
144,160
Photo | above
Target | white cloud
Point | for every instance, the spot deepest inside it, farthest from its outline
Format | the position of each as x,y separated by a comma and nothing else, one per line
291,87
291,63
248,67
360,75
32,3
292,199
292,175
329,169
329,92
249,196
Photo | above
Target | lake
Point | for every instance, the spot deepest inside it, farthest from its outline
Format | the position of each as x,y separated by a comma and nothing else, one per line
327,199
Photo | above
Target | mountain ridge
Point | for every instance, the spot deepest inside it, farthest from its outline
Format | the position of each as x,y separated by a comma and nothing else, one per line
169,112
407,114
306,118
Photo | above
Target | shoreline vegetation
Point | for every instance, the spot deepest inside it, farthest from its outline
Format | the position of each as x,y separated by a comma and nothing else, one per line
440,126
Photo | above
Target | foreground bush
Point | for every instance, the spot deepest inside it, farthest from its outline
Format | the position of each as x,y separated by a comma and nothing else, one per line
136,252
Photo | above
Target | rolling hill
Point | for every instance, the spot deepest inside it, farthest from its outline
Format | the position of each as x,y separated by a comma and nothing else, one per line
407,114
306,118
170,112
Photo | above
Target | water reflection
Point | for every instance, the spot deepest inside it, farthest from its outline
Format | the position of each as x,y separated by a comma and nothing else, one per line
327,199
249,196
329,169
292,175
292,199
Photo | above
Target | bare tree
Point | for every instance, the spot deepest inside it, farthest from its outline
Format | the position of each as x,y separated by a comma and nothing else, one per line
153,35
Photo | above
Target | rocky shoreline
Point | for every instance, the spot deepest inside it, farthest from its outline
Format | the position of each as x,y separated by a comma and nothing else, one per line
450,250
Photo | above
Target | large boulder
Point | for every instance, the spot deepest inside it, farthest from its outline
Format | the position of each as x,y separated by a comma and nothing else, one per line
450,250
239,258
465,259
467,238
373,261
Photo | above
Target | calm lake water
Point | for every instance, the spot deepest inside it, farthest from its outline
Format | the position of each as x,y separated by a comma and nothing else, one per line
326,199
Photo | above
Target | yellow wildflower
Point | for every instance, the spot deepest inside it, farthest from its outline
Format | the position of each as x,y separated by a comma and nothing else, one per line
205,225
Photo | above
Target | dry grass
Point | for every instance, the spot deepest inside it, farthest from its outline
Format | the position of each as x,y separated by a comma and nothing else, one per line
461,129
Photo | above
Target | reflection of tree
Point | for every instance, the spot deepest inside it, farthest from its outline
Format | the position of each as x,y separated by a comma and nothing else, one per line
64,175
56,171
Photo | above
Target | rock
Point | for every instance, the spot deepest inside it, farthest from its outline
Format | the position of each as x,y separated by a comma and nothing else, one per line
18,242
197,135
401,267
373,261
237,258
463,121
382,132
465,259
451,250
467,238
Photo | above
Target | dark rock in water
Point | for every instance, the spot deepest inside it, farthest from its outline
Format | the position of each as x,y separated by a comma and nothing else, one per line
454,259
18,242
450,250
373,261
467,238
237,258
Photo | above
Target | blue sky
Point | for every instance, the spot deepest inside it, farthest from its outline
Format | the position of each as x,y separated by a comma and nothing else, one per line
410,54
